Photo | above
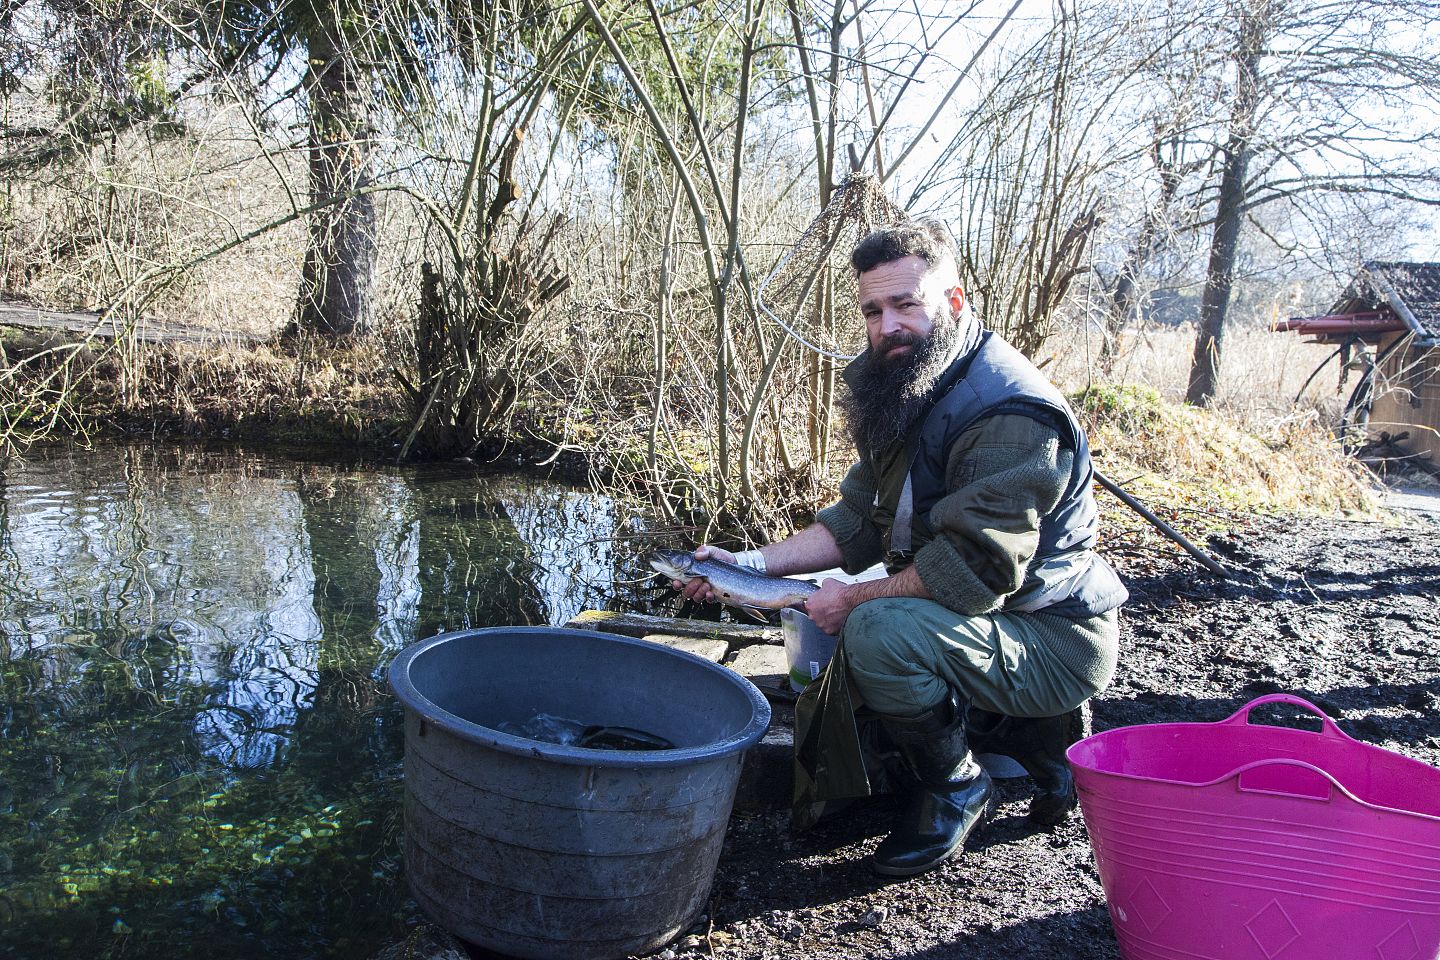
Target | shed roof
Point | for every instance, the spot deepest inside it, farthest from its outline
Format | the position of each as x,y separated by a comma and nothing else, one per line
1411,289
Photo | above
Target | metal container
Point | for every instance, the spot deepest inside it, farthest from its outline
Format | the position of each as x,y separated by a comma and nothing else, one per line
542,850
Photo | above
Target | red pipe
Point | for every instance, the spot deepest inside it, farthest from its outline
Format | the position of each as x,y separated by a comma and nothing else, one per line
1372,321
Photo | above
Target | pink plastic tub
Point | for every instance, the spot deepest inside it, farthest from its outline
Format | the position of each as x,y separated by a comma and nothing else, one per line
1232,841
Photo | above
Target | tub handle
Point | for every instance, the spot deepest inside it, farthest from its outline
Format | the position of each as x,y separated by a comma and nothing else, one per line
1278,776
1328,727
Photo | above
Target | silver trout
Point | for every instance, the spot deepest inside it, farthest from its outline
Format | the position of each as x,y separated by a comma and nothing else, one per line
736,586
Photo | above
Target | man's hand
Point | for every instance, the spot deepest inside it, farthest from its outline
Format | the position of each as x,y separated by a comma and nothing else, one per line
698,590
830,606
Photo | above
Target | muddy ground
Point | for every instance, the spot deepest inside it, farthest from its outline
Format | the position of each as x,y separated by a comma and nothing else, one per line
1341,613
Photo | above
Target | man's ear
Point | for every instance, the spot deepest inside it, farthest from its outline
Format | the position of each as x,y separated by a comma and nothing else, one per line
956,296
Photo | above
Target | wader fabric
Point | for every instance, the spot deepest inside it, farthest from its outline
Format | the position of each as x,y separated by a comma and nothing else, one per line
906,654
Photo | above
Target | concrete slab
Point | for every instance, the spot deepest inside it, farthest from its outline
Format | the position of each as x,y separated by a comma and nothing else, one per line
760,663
640,624
713,650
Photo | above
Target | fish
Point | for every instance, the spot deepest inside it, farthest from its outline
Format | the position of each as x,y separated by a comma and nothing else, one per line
734,585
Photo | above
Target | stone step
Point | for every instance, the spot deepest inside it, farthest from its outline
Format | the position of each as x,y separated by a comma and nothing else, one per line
737,635
712,649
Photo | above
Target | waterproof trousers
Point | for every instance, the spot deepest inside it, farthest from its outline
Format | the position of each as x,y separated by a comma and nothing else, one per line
905,654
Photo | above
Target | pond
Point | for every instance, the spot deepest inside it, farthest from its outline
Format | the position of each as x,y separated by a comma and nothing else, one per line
199,756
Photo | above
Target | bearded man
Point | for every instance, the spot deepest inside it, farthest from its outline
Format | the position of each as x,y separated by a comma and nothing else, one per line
997,619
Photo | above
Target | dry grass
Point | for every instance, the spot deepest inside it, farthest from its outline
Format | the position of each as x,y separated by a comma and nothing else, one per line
1179,456
1254,449
1262,371
343,394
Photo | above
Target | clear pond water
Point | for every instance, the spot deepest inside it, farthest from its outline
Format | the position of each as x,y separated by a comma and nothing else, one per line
199,756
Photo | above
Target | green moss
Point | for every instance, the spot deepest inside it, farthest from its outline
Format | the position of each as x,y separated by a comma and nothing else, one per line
1127,406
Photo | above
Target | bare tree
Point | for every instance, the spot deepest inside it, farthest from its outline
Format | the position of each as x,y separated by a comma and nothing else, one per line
1157,227
339,269
1324,100
1254,26
1025,171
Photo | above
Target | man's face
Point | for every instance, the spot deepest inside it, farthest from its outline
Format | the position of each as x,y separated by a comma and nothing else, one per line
901,302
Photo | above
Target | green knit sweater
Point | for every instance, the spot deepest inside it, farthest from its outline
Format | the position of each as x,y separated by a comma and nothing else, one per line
1003,475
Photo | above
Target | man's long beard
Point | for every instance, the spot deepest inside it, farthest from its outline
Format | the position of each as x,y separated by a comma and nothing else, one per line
887,396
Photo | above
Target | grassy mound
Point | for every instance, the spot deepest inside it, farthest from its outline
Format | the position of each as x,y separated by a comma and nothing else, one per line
1182,456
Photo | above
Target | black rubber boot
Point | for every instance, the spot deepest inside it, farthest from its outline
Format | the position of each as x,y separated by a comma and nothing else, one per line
952,795
1038,744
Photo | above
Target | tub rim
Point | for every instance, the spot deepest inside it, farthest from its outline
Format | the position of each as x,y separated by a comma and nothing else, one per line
412,699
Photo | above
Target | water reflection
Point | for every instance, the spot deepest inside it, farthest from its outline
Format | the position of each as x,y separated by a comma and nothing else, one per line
192,710
268,673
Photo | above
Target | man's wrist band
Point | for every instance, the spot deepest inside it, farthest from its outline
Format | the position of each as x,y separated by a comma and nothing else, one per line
753,559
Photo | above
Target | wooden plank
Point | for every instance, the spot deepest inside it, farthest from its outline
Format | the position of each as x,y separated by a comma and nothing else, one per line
78,323
1408,398
641,625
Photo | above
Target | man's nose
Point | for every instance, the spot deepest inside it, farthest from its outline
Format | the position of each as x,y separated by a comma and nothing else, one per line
890,322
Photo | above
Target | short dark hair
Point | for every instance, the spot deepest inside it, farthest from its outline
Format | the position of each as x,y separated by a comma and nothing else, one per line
927,239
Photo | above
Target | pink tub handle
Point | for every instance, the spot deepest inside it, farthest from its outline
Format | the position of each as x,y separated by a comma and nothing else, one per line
1328,727
1275,776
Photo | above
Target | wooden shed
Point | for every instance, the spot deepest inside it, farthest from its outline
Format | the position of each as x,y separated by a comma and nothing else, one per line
1388,319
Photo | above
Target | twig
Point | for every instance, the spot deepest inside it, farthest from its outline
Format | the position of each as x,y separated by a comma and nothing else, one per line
1200,556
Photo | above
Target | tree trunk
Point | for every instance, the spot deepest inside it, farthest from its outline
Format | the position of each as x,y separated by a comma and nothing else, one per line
336,282
1122,300
1254,26
1219,276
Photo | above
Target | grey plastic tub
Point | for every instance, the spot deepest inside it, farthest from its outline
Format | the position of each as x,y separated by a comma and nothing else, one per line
547,851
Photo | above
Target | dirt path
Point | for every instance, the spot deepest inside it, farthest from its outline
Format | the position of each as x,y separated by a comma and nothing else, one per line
1342,613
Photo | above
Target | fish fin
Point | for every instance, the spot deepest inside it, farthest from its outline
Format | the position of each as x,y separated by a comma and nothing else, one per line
755,613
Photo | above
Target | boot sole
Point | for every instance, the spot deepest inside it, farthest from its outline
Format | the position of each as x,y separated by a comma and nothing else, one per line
991,806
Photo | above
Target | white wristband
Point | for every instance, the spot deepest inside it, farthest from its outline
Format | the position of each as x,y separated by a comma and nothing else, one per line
753,559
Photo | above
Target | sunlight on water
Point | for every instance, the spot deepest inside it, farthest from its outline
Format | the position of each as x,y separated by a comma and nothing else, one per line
198,752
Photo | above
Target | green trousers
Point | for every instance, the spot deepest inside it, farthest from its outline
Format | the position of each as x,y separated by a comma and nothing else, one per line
904,654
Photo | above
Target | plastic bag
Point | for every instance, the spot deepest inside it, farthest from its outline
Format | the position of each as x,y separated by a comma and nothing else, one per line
829,760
